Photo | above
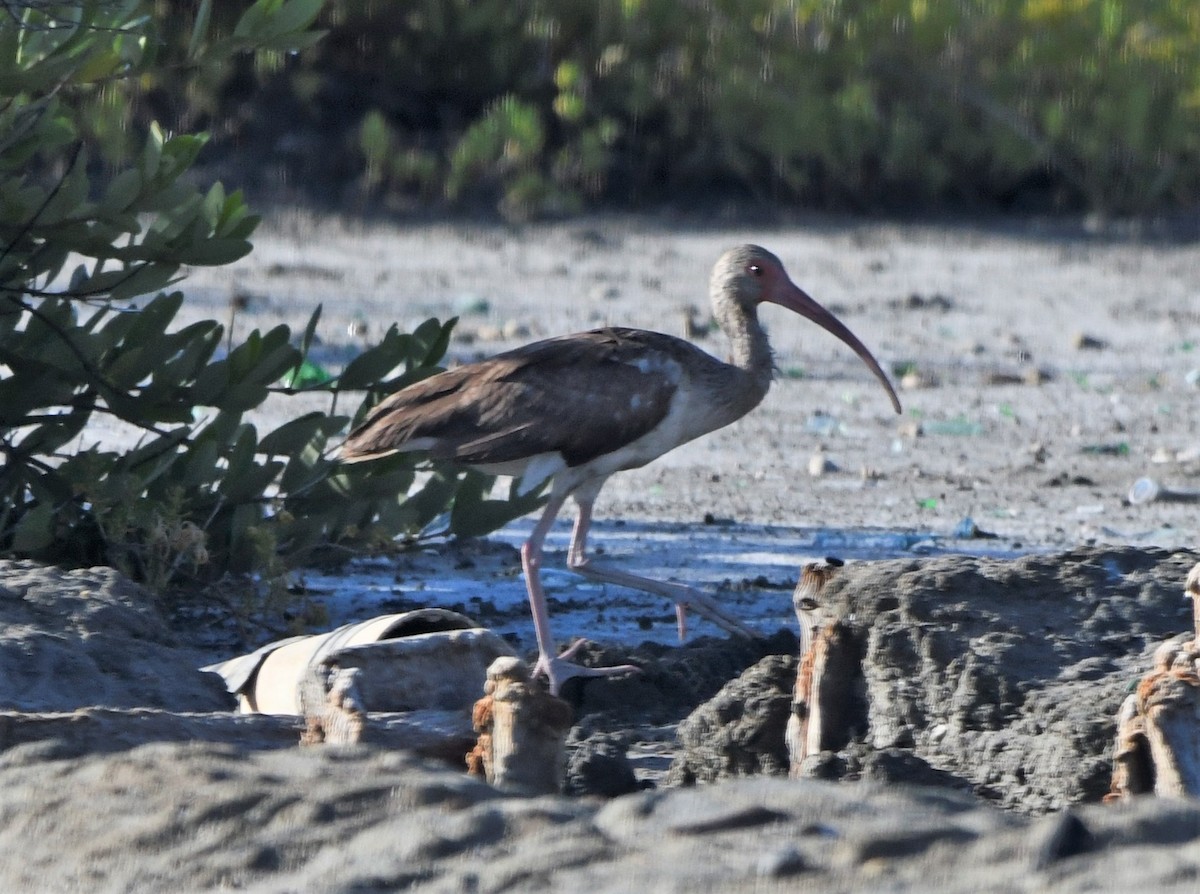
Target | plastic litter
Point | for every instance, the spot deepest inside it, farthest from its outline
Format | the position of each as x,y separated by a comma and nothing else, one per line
959,426
966,529
307,375
821,424
1147,490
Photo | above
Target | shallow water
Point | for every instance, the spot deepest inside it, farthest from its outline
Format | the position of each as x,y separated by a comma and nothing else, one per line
752,569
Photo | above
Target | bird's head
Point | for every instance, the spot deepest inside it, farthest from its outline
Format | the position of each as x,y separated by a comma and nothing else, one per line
746,276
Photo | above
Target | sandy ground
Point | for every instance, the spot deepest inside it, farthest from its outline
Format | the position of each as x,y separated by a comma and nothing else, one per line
1049,367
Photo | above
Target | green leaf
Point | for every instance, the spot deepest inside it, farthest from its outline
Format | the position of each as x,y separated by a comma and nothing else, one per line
472,515
194,346
310,331
203,13
199,465
373,364
152,152
245,480
70,199
154,458
222,429
422,507
293,435
439,342
211,382
372,481
124,285
122,191
152,321
48,437
254,18
306,468
241,520
35,531
215,252
296,16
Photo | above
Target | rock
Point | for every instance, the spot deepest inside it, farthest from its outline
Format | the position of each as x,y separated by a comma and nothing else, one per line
599,766
1082,341
1007,674
91,637
674,680
1058,837
740,731
900,766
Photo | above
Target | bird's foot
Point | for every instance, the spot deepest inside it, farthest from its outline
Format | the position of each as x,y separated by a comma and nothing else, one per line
558,669
684,597
707,607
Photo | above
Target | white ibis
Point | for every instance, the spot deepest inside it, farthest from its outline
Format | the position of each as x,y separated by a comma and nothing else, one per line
577,408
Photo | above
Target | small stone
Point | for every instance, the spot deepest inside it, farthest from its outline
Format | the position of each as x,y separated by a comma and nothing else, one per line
1059,837
819,464
825,765
488,332
513,330
914,379
716,817
1081,341
781,863
893,844
1000,377
600,767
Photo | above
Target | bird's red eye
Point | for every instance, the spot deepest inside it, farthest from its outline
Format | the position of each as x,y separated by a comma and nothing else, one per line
754,270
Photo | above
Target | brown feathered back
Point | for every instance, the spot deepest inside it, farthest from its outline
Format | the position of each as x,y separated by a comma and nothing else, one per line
579,395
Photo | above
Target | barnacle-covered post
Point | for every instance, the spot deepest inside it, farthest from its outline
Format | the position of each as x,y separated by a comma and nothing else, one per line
334,713
827,672
522,732
1158,727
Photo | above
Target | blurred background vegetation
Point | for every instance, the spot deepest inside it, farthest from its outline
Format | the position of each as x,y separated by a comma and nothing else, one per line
532,107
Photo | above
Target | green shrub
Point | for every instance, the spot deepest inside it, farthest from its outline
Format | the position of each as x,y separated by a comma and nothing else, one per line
203,497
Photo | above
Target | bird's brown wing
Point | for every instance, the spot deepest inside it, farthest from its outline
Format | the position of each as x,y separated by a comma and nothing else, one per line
579,395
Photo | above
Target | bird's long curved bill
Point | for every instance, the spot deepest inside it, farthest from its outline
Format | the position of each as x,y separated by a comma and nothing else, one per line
795,299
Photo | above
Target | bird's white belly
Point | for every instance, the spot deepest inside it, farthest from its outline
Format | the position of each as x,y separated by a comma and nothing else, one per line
685,421
531,470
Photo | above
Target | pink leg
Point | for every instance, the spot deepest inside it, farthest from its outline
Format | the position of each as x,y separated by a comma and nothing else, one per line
683,597
558,669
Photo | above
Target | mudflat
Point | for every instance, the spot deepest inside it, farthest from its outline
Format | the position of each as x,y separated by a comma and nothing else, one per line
1042,368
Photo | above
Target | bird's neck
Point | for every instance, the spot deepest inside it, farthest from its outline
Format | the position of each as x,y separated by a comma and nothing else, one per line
749,350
